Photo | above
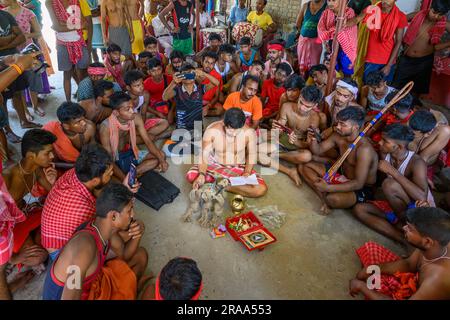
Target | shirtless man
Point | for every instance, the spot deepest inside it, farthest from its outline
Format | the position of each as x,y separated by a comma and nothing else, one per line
420,42
98,109
276,54
293,85
117,132
344,96
429,137
229,149
119,22
359,169
427,229
215,41
72,131
256,70
295,121
319,74
97,242
374,93
406,183
33,176
136,11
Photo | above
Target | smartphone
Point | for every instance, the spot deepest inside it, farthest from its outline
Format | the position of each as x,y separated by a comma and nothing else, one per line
30,49
188,76
132,175
64,165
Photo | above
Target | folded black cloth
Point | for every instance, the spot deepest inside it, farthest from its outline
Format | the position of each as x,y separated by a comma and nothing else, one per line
156,190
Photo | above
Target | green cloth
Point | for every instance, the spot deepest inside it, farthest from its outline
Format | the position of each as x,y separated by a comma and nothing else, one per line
284,142
184,46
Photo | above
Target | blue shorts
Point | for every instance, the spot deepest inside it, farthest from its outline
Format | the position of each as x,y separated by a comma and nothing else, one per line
370,67
343,63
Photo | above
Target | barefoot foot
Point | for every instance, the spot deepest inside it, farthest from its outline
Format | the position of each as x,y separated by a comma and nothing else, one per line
325,210
293,174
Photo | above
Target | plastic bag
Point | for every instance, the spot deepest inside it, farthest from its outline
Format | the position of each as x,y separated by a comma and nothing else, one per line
270,216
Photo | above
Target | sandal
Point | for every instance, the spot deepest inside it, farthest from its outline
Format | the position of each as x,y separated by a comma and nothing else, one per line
29,125
13,138
39,112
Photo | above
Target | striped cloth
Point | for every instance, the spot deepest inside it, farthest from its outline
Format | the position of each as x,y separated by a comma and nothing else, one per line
347,38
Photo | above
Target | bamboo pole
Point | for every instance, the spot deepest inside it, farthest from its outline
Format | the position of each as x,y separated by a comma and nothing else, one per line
335,46
197,23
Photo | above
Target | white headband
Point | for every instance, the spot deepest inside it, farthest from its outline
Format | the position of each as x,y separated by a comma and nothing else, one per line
347,86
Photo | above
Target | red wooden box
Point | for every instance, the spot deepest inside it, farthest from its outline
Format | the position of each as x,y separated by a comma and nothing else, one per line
257,231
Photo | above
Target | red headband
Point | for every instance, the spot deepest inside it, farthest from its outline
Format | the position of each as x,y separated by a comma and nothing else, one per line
96,71
159,297
275,46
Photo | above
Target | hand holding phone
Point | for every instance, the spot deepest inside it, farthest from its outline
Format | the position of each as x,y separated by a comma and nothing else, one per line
132,175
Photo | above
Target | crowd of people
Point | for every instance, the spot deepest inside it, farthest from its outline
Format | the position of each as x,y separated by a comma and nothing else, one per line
68,201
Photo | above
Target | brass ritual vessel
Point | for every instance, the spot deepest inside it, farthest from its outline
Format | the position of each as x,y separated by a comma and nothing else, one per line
237,204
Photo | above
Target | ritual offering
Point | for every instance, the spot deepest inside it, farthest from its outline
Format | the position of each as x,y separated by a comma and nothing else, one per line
247,229
218,232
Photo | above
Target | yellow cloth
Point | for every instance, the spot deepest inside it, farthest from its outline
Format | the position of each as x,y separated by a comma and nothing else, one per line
263,21
85,12
149,17
138,44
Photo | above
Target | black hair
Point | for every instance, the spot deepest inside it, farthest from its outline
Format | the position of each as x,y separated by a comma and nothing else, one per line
114,197
374,78
176,54
92,162
234,118
284,66
187,67
277,41
248,78
214,36
227,48
153,63
245,41
399,132
96,65
35,140
423,121
150,40
403,105
180,279
69,111
294,81
145,54
101,87
210,54
431,222
354,114
311,94
258,63
113,48
317,68
132,76
440,6
265,2
117,98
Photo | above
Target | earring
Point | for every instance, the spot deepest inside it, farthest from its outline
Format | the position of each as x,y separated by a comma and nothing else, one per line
113,218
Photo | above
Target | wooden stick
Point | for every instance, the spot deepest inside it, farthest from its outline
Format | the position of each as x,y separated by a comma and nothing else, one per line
335,46
197,24
400,95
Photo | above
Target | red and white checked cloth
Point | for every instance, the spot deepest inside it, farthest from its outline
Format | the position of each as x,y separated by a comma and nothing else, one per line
68,205
10,215
347,38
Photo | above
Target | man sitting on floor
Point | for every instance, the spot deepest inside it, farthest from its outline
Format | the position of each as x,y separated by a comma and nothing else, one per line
98,109
211,104
72,131
215,41
276,55
92,246
96,72
374,93
293,86
359,170
32,177
118,135
405,184
151,46
247,55
319,75
72,199
176,62
113,63
344,96
422,276
247,101
217,161
256,70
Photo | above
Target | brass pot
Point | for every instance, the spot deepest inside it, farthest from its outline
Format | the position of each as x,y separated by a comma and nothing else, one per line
237,204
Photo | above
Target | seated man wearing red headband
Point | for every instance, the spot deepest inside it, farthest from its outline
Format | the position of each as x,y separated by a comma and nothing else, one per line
96,72
275,55
180,279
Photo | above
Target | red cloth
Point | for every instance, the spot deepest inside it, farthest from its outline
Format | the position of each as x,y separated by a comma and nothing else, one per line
389,118
114,71
63,147
347,38
68,205
209,95
156,91
399,286
75,49
381,42
10,216
23,229
269,90
383,205
436,32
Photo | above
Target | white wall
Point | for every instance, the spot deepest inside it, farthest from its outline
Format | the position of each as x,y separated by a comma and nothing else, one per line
408,6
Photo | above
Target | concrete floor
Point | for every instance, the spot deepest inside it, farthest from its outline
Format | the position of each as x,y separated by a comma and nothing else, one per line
313,259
